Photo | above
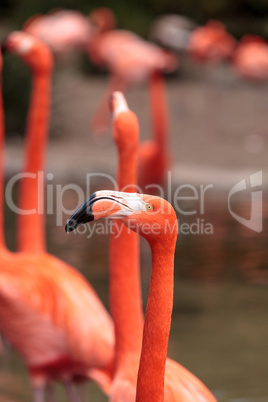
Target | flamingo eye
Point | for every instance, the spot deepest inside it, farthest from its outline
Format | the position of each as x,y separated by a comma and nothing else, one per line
149,207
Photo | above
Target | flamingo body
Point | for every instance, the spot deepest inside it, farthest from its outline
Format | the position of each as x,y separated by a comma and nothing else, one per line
43,307
182,386
130,57
61,30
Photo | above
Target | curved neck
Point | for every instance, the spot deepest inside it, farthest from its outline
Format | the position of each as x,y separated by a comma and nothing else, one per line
159,110
31,231
2,137
125,291
150,384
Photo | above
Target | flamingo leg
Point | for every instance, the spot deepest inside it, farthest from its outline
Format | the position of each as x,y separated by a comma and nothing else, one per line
159,109
39,393
71,392
1,345
50,393
101,117
82,390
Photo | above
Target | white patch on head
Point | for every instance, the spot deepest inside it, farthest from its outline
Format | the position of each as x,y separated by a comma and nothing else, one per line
132,201
25,45
121,104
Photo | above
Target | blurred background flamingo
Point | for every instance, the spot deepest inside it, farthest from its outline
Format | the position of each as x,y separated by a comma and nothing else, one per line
129,59
64,31
251,58
211,43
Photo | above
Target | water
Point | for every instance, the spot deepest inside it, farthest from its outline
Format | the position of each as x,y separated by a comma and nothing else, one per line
219,327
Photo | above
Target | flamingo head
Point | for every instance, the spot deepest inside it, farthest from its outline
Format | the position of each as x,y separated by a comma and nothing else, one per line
125,124
150,216
31,50
103,19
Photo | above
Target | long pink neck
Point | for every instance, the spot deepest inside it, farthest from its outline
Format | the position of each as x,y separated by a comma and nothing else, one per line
150,384
31,227
159,110
2,137
125,291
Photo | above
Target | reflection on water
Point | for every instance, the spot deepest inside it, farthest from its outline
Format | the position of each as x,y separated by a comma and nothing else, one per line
219,328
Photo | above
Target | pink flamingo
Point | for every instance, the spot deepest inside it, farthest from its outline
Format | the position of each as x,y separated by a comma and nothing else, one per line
153,218
44,301
129,59
211,43
62,30
251,58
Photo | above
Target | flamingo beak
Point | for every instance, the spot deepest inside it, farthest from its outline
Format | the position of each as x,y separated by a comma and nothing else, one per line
82,215
118,103
105,204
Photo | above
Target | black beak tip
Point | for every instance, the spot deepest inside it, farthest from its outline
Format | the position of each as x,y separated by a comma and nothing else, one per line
71,225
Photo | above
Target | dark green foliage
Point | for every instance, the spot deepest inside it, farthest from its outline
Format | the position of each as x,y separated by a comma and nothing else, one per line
16,91
240,16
